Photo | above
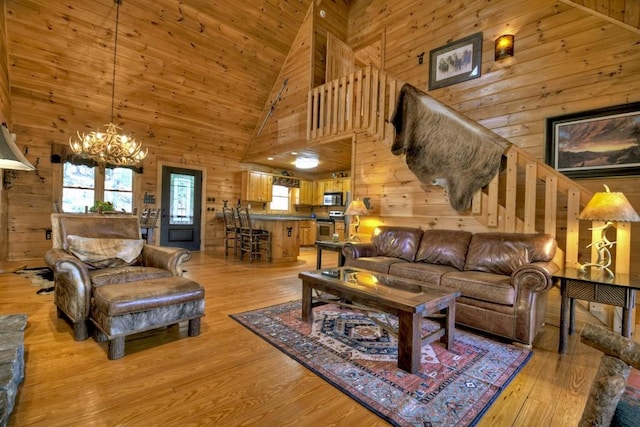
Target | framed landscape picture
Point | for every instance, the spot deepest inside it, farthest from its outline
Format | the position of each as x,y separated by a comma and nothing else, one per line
456,62
596,143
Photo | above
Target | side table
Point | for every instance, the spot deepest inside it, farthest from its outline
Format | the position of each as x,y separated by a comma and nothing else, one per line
329,245
595,286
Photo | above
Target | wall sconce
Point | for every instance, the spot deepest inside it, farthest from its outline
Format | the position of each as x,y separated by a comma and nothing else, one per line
504,46
608,207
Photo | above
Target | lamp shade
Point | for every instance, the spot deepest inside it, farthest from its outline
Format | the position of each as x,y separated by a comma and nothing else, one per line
356,207
609,206
10,155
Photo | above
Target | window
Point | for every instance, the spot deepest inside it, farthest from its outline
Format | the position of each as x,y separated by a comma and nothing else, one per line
83,185
78,187
279,198
118,188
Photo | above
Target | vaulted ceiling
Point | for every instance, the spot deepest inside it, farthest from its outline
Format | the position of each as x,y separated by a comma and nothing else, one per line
193,73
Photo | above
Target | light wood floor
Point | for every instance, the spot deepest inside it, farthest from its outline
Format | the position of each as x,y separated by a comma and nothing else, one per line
228,376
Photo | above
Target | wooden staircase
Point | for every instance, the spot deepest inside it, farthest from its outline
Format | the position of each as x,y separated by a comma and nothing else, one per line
527,196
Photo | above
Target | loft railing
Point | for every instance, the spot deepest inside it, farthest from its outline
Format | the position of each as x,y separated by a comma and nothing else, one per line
360,101
527,196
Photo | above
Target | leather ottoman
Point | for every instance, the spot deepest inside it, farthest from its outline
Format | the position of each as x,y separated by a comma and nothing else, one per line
122,309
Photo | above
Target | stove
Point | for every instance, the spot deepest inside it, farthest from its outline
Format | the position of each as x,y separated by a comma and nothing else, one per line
325,227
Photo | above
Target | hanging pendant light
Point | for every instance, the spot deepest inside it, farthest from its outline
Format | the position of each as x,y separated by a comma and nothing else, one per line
109,145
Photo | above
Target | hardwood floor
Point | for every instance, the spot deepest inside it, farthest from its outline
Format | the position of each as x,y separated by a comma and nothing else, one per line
228,376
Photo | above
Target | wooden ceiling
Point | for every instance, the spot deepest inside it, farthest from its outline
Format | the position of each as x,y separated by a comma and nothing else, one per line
194,74
625,12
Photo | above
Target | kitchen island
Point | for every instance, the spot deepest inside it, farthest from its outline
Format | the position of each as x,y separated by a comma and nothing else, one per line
285,244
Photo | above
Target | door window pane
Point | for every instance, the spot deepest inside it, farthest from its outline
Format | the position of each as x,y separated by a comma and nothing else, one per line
78,187
118,188
182,199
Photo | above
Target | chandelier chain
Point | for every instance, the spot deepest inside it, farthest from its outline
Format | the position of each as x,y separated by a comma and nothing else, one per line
110,146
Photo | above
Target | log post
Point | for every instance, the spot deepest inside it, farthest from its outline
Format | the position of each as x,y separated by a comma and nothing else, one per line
606,391
611,379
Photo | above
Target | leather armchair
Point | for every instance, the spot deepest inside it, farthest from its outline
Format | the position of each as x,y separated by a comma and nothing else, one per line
75,278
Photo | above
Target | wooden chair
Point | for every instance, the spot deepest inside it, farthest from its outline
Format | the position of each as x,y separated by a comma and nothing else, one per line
253,241
231,231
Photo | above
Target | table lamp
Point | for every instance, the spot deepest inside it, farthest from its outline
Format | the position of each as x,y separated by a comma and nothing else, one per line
608,207
356,208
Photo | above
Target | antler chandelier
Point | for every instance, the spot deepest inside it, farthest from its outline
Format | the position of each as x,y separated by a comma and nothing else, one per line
110,146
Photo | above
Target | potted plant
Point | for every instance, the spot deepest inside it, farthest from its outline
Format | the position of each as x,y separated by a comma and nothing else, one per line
101,207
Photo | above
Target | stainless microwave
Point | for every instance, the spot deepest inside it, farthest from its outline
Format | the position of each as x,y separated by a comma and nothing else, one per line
332,199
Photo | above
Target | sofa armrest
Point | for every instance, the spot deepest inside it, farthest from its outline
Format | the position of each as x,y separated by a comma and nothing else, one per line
165,257
534,277
353,250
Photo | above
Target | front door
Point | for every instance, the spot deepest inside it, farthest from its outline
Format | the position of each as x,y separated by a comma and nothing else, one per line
181,208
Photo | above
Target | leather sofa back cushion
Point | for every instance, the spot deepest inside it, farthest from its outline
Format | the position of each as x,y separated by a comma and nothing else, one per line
504,253
103,253
444,247
398,242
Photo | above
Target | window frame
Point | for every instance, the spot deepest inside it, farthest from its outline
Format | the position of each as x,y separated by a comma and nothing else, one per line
99,189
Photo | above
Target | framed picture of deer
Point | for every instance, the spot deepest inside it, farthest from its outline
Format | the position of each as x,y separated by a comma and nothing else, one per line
595,143
456,62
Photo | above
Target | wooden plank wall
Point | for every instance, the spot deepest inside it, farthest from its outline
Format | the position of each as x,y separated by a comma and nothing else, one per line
566,60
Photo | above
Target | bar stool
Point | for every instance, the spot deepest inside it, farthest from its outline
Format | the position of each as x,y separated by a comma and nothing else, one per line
253,241
231,231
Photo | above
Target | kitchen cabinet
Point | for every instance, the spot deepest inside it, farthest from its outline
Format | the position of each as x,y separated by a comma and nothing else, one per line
256,186
318,192
307,233
305,194
334,185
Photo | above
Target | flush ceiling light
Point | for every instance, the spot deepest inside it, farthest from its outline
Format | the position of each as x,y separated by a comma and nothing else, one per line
306,163
109,146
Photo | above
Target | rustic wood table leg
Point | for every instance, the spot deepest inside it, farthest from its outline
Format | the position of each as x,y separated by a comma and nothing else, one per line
449,325
307,310
409,341
564,317
318,258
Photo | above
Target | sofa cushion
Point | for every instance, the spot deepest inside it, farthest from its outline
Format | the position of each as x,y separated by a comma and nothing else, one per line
126,274
488,287
397,242
105,252
444,247
504,253
429,274
379,264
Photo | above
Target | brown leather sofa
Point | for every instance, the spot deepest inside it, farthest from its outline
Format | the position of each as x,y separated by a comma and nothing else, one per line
503,277
88,252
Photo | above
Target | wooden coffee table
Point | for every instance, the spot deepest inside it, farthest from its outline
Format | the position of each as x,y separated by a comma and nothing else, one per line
409,300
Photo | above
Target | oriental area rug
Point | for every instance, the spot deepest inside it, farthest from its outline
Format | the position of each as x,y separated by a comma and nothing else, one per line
346,348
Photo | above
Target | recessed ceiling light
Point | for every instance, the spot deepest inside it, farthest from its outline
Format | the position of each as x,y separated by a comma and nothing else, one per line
323,13
294,153
269,158
306,163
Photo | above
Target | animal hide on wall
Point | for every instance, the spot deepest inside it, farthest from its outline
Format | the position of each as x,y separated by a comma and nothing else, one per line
442,145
